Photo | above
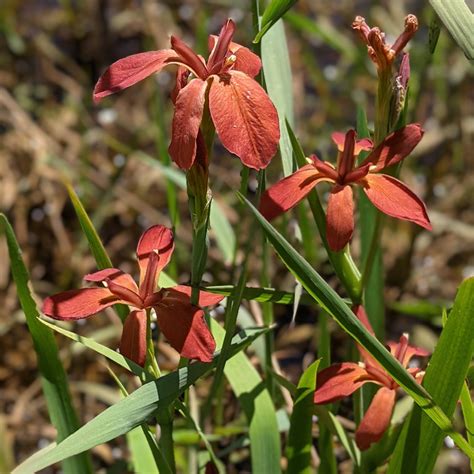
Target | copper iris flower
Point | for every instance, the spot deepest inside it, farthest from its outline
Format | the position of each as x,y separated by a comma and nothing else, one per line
244,117
343,379
385,192
181,322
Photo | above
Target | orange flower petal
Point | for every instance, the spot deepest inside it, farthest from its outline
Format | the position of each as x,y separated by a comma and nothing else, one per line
393,198
133,342
187,119
340,217
376,419
245,118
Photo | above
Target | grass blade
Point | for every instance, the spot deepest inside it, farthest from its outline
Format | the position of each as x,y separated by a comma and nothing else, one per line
53,377
258,407
444,379
459,20
278,82
329,300
95,244
133,410
273,12
300,438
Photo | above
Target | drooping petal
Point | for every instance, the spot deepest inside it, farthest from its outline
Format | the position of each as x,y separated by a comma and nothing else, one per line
404,352
133,342
376,419
288,192
185,328
187,119
339,381
246,61
397,146
359,311
245,118
128,71
205,297
78,304
340,217
393,198
114,274
157,238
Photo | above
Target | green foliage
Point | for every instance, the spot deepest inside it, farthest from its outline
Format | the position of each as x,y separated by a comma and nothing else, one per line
273,12
422,439
53,377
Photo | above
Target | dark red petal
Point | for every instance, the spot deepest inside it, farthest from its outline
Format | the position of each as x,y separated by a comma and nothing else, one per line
245,118
339,381
376,419
246,61
221,47
128,71
190,59
185,328
182,76
157,238
187,119
394,199
133,342
114,274
340,217
205,297
397,146
288,192
77,304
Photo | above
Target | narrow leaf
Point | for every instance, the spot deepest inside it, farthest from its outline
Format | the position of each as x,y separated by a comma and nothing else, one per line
133,410
300,438
444,379
328,299
273,12
53,377
459,20
278,82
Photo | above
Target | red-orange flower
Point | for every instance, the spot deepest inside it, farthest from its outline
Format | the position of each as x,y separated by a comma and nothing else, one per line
181,322
245,118
343,379
388,194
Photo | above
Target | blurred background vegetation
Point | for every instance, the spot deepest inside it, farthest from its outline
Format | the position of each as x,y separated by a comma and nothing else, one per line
51,54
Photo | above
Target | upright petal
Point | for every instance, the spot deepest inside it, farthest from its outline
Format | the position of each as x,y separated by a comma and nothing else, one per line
246,61
133,342
157,238
397,146
189,58
187,119
363,144
128,71
78,304
376,419
221,47
114,274
340,217
185,328
394,199
205,297
288,192
339,381
245,118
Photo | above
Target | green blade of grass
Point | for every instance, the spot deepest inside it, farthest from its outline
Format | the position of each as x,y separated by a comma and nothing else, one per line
444,379
258,407
278,82
300,437
53,377
273,12
93,239
459,20
329,300
133,410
